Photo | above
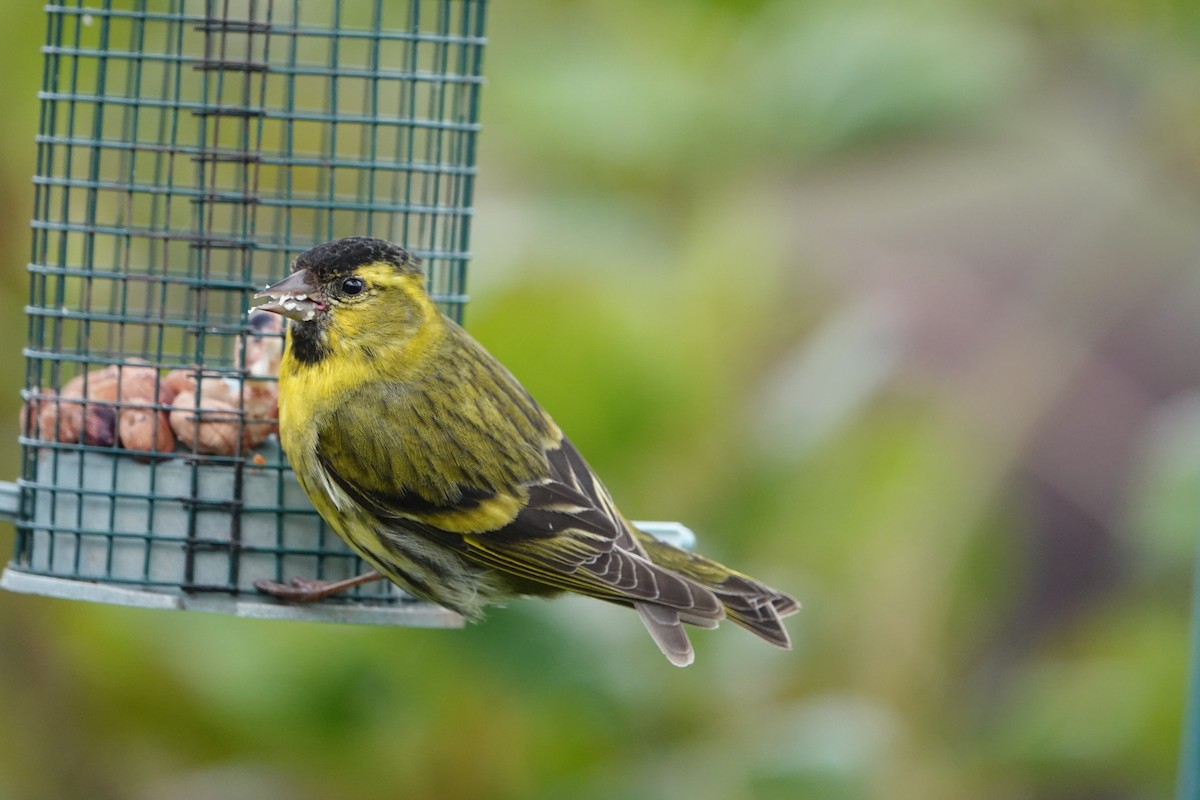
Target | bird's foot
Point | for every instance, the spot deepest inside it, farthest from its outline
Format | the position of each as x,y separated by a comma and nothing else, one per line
309,590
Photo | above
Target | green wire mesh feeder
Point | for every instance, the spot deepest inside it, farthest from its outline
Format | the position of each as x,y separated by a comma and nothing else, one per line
187,151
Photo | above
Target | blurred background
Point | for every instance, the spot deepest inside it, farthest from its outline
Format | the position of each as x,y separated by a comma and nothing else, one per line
894,304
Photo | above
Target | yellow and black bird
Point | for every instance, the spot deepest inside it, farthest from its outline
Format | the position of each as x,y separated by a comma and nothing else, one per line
433,463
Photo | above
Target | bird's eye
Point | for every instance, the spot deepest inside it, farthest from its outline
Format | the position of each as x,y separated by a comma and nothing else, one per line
352,285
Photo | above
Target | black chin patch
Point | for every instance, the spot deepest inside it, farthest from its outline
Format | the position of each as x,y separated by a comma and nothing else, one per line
307,345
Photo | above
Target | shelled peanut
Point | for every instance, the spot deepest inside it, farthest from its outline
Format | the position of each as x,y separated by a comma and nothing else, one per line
209,418
117,405
206,413
134,407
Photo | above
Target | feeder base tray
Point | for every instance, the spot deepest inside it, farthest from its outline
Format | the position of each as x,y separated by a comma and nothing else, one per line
410,614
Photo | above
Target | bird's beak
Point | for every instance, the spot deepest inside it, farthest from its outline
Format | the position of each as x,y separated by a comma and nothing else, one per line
295,297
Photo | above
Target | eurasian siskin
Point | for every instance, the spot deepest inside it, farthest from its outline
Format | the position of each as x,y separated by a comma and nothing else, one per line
429,458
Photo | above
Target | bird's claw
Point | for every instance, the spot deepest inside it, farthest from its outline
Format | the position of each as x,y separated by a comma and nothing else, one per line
299,590
309,590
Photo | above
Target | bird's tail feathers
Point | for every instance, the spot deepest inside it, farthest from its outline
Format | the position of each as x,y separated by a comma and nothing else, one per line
666,629
760,615
749,603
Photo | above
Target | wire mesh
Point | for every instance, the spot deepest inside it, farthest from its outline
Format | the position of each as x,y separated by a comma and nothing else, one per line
187,151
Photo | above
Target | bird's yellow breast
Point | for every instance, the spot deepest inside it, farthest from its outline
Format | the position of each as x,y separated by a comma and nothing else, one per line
309,396
308,393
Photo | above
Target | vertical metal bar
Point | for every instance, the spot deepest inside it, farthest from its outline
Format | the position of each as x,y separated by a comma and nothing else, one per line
168,135
466,155
427,232
60,288
1189,762
84,332
371,131
34,368
330,129
123,244
406,144
282,228
246,230
197,267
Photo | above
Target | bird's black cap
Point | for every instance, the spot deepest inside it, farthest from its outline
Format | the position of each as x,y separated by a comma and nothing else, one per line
344,255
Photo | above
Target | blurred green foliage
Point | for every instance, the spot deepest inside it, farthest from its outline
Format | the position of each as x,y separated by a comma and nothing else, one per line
892,303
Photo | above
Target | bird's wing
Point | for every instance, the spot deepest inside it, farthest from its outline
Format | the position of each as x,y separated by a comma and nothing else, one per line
559,529
570,535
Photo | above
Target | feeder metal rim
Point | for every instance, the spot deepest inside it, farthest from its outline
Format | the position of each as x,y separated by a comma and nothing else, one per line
410,614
